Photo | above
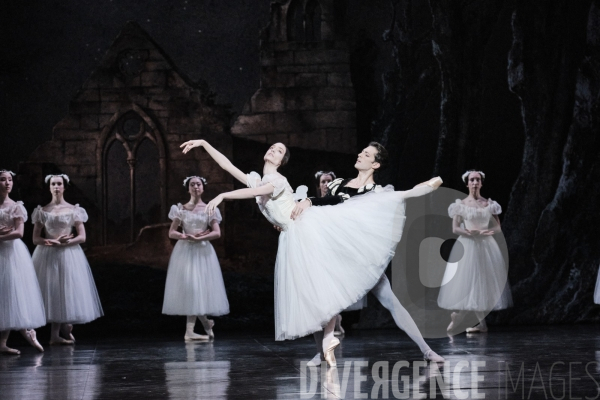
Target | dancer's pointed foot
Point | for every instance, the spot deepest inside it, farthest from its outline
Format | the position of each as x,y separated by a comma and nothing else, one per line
31,338
58,341
8,351
477,329
66,330
189,337
339,330
316,361
209,331
329,352
435,182
431,355
451,326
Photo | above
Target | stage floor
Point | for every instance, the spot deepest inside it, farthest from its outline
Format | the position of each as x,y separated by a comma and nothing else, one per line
509,362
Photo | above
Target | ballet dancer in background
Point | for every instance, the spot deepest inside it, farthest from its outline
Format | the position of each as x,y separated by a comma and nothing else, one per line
194,286
332,256
478,281
66,281
21,304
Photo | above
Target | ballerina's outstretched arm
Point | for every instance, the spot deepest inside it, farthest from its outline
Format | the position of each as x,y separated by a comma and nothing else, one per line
238,195
422,188
217,156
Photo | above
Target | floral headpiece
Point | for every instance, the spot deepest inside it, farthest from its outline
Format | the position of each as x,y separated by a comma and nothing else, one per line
466,175
186,180
64,176
3,171
319,174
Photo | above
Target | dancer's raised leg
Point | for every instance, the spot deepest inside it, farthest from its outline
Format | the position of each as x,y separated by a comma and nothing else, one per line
208,325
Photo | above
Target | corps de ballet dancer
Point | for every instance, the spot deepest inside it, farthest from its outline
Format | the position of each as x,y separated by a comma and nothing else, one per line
21,304
330,257
66,281
370,160
194,286
478,281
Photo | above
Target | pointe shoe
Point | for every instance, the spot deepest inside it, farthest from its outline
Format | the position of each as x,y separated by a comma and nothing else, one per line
31,338
190,337
451,326
8,351
66,330
431,355
316,361
60,341
209,331
435,182
329,355
477,329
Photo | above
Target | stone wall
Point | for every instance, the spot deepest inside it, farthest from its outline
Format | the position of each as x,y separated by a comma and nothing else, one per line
306,98
136,86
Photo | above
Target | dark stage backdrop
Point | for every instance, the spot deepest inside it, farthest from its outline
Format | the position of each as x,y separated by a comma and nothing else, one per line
509,87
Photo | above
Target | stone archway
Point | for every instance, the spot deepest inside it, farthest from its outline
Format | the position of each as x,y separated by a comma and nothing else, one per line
132,162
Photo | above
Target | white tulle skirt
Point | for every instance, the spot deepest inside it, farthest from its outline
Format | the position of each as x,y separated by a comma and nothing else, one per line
194,281
67,284
330,257
21,304
478,281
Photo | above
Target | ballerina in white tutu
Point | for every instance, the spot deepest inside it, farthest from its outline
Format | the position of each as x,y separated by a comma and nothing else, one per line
330,257
21,304
66,281
478,281
194,286
324,178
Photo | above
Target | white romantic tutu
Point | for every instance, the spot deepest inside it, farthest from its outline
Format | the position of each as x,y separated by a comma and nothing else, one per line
67,284
194,281
21,304
478,281
330,257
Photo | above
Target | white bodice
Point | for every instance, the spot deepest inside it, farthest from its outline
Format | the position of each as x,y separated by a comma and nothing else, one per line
59,223
193,222
276,207
475,217
10,213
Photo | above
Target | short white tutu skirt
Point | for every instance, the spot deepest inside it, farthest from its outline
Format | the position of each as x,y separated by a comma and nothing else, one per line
21,304
67,284
194,281
331,257
478,281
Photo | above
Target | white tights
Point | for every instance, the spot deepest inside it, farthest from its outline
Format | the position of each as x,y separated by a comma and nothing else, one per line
383,291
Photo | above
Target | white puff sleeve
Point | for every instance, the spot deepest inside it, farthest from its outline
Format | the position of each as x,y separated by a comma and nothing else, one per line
38,215
280,184
495,208
253,180
19,211
216,216
455,209
175,212
79,214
